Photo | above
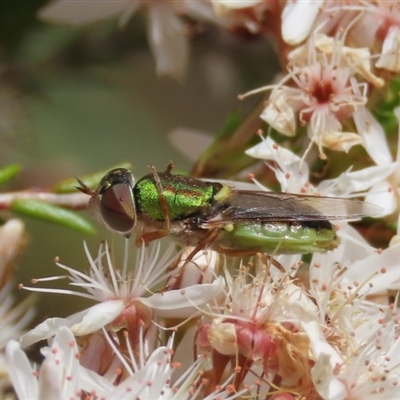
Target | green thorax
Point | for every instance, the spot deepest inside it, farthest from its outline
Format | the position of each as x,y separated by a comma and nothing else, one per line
185,196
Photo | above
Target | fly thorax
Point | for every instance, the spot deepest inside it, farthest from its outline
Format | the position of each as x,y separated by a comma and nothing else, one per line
182,195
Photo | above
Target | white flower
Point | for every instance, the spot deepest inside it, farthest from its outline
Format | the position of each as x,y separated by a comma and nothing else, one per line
361,268
123,296
369,371
62,377
360,327
166,29
14,315
292,172
59,375
153,378
385,192
378,26
320,89
262,327
14,319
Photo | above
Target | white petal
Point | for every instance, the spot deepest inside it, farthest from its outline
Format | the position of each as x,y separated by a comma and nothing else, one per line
269,150
168,40
81,12
11,240
381,195
354,246
183,302
45,330
20,370
324,380
390,58
84,322
369,270
59,373
51,381
132,388
359,59
292,173
157,370
309,321
226,5
191,143
321,349
340,141
298,18
201,269
372,136
279,113
98,316
92,382
357,181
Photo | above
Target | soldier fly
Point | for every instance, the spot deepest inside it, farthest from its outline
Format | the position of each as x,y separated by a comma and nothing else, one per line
214,215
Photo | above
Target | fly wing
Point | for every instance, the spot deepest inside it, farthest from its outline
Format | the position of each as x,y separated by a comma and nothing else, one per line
246,206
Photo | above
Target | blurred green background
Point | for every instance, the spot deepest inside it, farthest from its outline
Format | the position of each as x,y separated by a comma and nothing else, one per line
77,100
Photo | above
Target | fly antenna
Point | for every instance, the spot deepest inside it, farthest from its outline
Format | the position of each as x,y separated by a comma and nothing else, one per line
84,188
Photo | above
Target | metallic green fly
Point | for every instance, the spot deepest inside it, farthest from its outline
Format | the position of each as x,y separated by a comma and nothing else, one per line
214,215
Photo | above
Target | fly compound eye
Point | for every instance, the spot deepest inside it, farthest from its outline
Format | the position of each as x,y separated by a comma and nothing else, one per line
116,203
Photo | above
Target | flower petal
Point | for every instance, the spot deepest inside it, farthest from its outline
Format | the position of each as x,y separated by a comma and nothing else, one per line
168,40
380,270
98,316
292,172
340,141
324,379
191,143
390,58
279,113
20,370
372,136
59,375
223,6
80,12
298,18
45,330
182,303
356,181
383,195
81,323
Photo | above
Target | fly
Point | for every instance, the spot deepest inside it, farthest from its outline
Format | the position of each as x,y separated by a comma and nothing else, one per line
215,215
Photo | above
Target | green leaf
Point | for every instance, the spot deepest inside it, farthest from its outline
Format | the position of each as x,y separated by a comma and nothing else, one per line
51,213
231,124
91,181
384,110
8,172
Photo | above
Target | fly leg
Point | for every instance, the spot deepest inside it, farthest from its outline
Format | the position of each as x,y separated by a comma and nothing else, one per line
169,167
148,237
275,263
174,282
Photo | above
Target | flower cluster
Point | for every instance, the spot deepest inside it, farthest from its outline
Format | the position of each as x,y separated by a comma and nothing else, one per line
15,316
231,318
